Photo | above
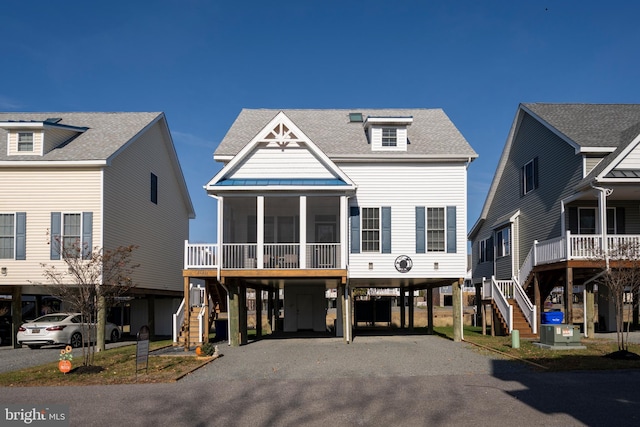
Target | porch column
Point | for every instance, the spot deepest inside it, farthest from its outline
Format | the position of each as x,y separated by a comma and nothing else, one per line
590,315
457,310
402,319
347,322
302,257
411,310
258,313
187,312
16,313
479,313
568,297
344,237
260,232
430,311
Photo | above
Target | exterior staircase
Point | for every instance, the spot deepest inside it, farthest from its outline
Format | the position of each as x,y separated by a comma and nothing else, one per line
519,321
194,327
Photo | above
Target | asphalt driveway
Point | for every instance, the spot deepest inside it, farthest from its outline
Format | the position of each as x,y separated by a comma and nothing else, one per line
386,380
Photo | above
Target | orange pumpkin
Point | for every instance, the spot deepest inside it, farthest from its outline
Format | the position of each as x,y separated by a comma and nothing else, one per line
199,351
64,366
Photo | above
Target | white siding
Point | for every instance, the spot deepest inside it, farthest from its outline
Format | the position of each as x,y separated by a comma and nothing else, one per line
38,192
290,162
131,218
403,187
632,161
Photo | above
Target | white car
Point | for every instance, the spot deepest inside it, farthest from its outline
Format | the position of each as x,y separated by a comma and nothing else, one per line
60,328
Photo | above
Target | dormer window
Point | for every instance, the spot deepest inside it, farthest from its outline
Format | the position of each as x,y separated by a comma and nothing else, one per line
389,137
387,133
25,142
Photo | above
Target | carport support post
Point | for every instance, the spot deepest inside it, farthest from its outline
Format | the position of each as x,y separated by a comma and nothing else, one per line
187,312
234,313
16,314
242,318
430,311
258,313
411,311
402,319
270,309
568,297
591,310
457,311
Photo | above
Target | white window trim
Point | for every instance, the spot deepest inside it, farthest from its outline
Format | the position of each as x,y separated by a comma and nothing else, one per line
444,229
362,230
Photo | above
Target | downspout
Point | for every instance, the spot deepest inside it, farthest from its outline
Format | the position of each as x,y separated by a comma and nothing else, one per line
602,204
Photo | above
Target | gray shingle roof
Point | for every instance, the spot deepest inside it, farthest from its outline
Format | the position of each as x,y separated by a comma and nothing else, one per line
591,125
106,134
430,134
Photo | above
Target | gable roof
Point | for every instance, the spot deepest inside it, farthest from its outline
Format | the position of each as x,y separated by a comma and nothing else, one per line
431,134
604,128
106,134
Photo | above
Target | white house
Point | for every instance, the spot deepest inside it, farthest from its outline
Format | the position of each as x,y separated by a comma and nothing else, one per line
310,200
107,179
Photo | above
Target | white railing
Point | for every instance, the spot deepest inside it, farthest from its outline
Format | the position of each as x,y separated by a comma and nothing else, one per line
200,255
527,265
179,315
501,302
323,255
201,314
549,251
525,304
274,256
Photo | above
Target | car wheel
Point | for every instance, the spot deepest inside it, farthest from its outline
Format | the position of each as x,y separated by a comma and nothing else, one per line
115,335
34,346
76,340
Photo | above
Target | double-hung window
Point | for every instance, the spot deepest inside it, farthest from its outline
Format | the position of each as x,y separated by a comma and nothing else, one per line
7,236
435,230
586,220
485,249
370,229
25,142
71,229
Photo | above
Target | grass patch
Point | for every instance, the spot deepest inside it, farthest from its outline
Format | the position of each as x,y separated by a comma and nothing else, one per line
591,358
114,366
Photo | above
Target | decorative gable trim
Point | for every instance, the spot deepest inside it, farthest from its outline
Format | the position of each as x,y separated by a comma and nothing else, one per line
279,134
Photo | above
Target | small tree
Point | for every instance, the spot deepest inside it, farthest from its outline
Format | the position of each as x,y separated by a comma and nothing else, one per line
621,276
89,284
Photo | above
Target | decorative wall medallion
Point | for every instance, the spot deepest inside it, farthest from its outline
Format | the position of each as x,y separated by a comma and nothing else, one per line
403,263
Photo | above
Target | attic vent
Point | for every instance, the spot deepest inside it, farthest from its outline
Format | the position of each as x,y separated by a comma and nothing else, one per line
355,118
53,120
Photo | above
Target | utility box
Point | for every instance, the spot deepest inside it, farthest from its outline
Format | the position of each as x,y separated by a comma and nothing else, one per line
560,335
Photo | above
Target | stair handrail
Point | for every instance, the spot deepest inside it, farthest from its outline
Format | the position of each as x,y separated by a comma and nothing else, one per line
497,295
525,304
178,320
203,307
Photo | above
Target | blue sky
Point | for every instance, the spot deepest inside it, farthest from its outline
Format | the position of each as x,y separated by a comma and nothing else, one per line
201,62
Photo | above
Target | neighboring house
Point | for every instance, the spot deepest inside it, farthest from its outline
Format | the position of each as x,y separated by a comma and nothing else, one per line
311,200
565,188
106,179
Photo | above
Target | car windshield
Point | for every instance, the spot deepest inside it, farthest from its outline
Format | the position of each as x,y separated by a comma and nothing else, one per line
51,318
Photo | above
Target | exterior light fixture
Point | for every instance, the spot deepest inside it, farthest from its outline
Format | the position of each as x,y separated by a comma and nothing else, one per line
4,271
